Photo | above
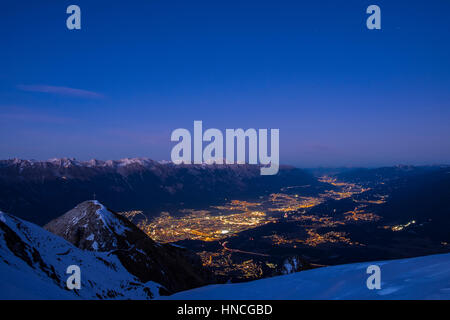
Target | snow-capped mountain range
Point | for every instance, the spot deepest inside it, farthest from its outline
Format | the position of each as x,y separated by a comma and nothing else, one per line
39,191
72,162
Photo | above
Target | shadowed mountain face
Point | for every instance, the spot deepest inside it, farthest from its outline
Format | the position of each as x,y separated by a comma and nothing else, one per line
40,191
90,226
421,194
373,177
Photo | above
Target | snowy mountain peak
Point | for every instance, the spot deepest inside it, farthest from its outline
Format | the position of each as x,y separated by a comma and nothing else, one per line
64,162
91,226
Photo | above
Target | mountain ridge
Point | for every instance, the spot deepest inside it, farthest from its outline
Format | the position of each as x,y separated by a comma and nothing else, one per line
39,191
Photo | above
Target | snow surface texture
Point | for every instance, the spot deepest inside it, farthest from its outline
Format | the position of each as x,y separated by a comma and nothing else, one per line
109,220
102,274
415,278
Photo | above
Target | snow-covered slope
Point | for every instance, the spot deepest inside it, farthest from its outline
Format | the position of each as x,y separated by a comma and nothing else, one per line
415,278
33,264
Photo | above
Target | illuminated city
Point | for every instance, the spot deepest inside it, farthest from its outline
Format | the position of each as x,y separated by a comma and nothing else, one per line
218,223
223,221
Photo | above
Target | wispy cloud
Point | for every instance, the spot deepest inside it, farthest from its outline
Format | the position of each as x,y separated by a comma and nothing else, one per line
65,91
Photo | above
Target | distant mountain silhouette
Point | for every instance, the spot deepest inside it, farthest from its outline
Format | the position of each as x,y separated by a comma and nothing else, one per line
39,191
421,194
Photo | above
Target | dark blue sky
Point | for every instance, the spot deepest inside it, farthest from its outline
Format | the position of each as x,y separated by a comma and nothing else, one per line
339,93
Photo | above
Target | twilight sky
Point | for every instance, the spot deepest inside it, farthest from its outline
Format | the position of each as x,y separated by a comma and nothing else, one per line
341,95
